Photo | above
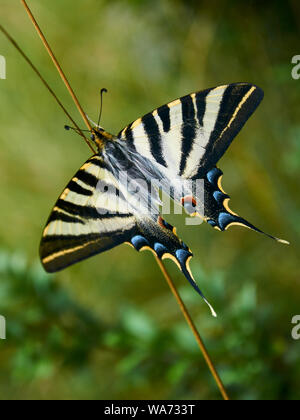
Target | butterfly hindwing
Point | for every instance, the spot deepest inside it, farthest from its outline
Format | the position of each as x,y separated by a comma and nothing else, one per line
217,211
161,238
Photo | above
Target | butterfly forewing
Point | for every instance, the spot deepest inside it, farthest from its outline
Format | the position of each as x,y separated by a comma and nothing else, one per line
88,218
189,135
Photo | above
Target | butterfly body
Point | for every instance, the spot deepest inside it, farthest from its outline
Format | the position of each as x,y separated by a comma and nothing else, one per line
114,197
101,137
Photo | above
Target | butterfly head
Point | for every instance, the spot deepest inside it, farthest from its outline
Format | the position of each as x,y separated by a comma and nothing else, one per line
100,137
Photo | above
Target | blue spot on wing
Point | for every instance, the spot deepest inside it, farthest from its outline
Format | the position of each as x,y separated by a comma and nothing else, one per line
219,197
213,176
224,219
182,255
160,249
139,241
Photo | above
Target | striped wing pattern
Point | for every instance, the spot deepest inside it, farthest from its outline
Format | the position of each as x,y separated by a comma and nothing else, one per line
84,221
189,135
88,220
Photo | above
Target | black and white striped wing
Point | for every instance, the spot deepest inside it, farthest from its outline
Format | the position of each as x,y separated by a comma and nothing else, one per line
189,135
88,218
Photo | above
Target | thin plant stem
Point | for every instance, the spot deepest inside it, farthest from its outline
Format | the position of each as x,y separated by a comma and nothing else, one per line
194,330
57,65
159,262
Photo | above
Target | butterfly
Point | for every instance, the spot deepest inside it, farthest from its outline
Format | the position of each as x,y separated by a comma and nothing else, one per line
177,143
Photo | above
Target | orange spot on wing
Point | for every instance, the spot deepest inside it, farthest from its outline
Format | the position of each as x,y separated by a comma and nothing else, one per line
189,200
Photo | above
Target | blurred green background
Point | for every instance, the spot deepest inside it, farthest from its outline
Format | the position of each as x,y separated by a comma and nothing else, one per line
109,327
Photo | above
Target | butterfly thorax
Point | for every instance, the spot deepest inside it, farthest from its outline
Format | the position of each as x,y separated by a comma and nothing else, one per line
101,137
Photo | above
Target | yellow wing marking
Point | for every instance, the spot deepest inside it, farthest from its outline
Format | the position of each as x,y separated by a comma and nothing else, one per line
136,123
244,99
65,252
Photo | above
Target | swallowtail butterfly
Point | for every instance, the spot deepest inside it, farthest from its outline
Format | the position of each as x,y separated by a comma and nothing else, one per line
183,140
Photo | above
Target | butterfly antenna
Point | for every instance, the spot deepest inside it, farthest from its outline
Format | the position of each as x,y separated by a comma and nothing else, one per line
101,105
48,87
68,128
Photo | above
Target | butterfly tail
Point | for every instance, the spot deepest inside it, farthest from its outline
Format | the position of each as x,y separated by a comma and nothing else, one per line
184,259
161,238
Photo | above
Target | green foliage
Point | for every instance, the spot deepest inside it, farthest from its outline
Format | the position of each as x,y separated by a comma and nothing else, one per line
109,327
50,337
